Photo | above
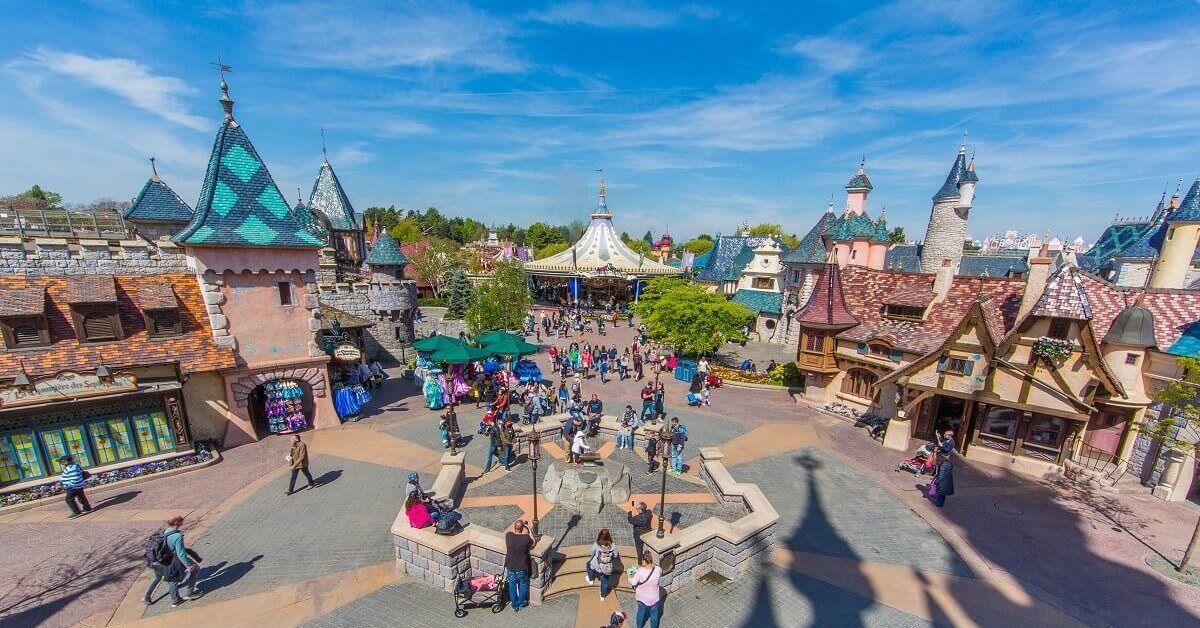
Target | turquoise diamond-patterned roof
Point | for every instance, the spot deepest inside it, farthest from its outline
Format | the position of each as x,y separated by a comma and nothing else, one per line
958,174
240,205
386,252
881,231
759,300
330,200
1116,238
157,202
852,227
811,249
309,221
859,182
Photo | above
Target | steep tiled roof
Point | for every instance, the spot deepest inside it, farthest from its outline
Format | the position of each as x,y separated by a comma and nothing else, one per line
958,173
330,200
16,301
157,202
240,205
860,181
851,227
386,252
991,317
155,296
759,300
744,257
1065,296
701,260
866,289
724,254
1189,207
309,221
904,258
1174,310
826,307
811,249
911,295
91,289
1148,243
194,350
1115,239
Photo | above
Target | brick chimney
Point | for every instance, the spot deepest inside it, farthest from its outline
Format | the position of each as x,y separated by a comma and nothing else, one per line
1035,281
942,280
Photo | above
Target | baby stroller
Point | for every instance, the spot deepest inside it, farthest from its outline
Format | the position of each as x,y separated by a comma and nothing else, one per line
489,419
714,381
920,463
479,592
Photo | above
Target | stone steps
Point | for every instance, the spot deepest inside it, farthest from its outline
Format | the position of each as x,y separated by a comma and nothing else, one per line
575,582
570,570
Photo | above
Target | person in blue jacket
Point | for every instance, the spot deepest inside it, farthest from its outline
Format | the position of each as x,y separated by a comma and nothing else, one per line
943,480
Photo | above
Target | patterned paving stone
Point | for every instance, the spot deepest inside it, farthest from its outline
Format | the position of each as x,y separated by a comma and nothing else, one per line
571,527
770,597
492,517
413,604
271,539
851,516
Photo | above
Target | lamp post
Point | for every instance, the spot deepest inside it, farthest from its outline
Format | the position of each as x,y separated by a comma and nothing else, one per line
535,453
665,444
452,427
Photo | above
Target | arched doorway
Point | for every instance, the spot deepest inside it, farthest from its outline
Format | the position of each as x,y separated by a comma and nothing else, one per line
281,406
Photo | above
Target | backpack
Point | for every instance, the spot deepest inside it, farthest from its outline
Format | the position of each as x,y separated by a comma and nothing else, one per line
157,551
604,560
680,436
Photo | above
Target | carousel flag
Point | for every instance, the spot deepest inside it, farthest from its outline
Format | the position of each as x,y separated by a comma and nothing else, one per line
637,288
575,286
689,258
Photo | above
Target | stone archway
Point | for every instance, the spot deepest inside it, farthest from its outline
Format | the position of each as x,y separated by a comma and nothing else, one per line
245,385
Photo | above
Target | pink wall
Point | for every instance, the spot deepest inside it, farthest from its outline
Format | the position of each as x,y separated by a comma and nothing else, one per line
265,330
862,252
221,259
877,255
856,201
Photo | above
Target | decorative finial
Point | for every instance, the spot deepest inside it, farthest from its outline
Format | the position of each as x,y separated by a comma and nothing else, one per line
226,101
324,154
962,150
862,165
603,193
153,171
1178,186
299,197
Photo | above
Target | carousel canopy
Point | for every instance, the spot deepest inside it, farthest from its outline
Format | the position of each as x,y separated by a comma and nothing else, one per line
437,343
459,355
599,253
510,346
493,336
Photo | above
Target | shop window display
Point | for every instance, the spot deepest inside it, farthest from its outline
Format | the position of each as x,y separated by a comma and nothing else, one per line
284,406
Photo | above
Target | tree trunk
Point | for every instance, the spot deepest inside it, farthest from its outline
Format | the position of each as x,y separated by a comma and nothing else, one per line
1191,549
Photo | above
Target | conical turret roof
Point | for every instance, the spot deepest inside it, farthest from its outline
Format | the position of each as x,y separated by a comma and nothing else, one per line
959,173
240,205
386,252
1189,207
826,307
157,202
330,200
309,221
860,181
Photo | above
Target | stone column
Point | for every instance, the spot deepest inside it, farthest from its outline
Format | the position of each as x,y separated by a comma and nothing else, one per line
1173,486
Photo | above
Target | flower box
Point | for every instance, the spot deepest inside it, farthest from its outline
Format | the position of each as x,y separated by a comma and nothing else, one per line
1053,350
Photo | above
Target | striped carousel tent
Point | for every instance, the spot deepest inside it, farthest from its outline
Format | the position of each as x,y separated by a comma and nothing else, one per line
598,254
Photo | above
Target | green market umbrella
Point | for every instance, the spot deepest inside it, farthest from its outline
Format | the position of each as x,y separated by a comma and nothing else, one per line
510,346
459,355
493,336
437,343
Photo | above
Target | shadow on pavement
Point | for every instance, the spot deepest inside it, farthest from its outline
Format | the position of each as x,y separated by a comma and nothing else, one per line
55,585
113,500
224,574
328,477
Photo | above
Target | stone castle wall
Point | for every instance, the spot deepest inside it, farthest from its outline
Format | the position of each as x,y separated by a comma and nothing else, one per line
60,256
944,236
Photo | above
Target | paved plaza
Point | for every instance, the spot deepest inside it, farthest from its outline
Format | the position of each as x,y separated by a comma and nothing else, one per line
856,544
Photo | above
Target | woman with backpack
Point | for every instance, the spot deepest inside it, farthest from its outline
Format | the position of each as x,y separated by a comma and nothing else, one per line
603,562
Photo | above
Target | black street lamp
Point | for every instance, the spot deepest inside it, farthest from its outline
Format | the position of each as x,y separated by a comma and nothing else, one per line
662,496
452,427
535,453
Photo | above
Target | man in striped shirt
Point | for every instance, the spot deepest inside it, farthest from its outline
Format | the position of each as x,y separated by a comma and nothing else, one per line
73,481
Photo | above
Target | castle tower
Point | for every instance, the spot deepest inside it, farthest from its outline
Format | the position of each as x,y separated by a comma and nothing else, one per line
947,229
857,190
157,211
393,298
1179,245
663,246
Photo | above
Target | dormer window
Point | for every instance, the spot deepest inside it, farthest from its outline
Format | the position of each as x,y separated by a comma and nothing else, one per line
160,310
93,301
908,303
763,283
23,318
904,312
1059,328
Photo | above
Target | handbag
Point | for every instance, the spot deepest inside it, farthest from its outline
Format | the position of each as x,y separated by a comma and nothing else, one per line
933,492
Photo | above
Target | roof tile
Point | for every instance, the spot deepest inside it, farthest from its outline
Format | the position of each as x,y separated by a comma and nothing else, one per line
16,301
91,289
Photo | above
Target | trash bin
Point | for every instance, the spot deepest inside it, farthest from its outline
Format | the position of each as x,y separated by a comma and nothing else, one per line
685,370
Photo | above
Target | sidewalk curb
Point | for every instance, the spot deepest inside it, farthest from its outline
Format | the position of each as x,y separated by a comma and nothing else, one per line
791,390
23,506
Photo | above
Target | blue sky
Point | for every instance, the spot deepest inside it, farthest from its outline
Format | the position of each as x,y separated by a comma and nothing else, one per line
701,115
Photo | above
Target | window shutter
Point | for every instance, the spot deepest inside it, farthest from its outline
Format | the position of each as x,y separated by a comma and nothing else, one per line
941,367
896,355
862,348
98,327
164,323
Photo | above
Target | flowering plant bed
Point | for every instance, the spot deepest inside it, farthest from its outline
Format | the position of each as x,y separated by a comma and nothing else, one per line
1053,349
842,409
738,375
106,477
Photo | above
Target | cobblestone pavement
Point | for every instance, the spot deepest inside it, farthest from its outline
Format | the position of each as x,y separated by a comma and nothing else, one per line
838,500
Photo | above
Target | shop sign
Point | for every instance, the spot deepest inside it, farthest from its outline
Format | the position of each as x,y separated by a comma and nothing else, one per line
66,385
347,351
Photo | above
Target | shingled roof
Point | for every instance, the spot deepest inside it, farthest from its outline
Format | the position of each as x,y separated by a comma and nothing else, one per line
386,252
309,221
1189,207
1065,297
811,249
330,200
866,290
759,300
960,172
1116,237
91,289
22,301
240,205
194,350
826,307
724,255
158,203
1174,311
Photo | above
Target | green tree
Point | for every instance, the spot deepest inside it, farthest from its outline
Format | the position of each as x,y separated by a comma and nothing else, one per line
638,246
550,249
406,231
540,234
1181,408
53,200
500,301
687,316
896,236
698,245
435,260
458,294
773,229
969,245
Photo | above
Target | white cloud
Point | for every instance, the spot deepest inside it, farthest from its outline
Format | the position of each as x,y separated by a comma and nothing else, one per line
379,35
833,54
129,79
396,127
619,14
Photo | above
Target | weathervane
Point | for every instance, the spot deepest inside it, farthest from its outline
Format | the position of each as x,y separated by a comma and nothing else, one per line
323,153
226,101
221,67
